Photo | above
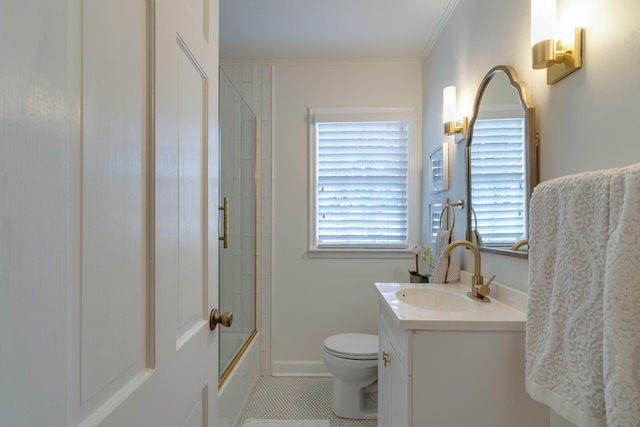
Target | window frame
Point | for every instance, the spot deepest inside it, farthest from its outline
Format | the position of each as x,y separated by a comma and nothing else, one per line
316,115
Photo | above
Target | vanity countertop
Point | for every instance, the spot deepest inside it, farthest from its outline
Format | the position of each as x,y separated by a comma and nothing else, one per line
493,316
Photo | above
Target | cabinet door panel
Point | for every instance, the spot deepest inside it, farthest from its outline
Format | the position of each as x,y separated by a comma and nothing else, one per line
400,393
384,378
394,385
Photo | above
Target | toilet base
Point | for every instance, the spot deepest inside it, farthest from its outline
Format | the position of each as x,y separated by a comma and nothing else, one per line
355,401
353,361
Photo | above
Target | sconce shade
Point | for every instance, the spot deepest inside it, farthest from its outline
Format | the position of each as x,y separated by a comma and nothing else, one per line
449,114
449,104
543,21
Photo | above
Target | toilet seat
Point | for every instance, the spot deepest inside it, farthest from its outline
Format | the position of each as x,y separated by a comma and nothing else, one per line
352,346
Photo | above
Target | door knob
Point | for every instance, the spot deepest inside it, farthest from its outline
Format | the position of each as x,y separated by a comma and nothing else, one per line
224,319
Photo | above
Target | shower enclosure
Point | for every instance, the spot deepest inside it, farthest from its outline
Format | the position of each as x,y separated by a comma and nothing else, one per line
238,142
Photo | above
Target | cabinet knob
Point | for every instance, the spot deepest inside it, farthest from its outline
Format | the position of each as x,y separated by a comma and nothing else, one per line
385,358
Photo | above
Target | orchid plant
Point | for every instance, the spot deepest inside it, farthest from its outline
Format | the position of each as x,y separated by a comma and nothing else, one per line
424,254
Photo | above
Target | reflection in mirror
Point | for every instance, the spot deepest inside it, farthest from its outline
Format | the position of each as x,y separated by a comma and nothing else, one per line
502,163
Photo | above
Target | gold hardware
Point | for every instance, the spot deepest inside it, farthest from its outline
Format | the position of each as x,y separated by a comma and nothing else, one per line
461,126
520,243
386,359
559,57
450,115
445,209
490,280
459,204
485,290
478,297
225,222
477,281
225,319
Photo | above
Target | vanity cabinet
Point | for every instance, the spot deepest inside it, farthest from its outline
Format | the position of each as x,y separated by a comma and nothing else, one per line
453,378
394,383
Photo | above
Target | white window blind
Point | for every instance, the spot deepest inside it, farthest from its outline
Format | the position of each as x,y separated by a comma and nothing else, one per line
362,184
498,177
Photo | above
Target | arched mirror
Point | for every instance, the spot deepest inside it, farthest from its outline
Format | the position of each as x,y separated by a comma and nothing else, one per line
502,163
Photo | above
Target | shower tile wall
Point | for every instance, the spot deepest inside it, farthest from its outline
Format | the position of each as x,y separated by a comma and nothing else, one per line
237,168
254,82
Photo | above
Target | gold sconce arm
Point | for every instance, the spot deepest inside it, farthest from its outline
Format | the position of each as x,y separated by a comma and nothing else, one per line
559,57
452,128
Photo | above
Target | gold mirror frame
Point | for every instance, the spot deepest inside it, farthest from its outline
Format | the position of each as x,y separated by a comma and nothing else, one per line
531,144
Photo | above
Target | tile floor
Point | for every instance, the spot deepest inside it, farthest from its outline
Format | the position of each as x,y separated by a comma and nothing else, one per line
296,398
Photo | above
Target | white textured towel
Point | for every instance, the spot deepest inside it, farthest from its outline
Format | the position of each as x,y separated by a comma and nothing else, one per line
447,270
583,321
622,302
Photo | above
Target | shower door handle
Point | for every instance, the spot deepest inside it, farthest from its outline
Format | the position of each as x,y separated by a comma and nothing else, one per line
225,319
225,222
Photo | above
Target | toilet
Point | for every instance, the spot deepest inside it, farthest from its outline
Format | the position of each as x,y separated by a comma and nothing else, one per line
353,361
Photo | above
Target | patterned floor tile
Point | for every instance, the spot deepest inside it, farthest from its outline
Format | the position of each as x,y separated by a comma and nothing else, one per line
296,398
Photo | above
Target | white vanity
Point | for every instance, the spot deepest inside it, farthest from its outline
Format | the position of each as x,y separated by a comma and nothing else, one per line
448,361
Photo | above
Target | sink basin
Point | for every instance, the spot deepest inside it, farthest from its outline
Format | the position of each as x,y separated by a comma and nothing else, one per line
434,299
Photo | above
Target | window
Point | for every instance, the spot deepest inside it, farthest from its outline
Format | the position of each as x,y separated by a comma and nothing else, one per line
362,181
499,196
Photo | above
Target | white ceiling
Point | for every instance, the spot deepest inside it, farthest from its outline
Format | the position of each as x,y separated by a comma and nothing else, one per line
330,29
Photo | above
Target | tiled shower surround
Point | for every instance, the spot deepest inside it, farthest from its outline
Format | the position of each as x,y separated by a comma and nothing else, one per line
254,82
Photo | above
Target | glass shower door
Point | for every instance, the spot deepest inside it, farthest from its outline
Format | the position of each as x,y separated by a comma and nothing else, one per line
238,259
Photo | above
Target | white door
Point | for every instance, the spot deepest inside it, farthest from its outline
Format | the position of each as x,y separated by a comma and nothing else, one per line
145,272
34,121
108,212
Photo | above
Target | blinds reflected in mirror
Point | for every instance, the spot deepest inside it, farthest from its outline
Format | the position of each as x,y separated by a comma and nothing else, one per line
497,180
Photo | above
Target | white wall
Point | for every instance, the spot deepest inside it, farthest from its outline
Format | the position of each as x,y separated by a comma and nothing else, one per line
586,120
315,298
583,119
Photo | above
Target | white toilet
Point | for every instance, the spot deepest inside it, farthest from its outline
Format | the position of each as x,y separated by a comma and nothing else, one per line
353,361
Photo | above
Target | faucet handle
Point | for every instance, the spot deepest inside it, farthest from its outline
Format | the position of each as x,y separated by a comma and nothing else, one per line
483,289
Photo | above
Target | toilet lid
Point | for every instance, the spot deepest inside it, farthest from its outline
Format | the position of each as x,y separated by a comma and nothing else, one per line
353,346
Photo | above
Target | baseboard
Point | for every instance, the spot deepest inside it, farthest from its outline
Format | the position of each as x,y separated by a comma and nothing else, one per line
299,368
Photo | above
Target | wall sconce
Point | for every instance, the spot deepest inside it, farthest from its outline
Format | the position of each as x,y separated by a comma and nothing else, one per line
560,57
449,113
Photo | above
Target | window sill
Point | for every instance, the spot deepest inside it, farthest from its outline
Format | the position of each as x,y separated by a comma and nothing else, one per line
361,253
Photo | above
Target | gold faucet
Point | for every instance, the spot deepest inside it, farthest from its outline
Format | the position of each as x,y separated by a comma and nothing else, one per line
520,243
479,291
